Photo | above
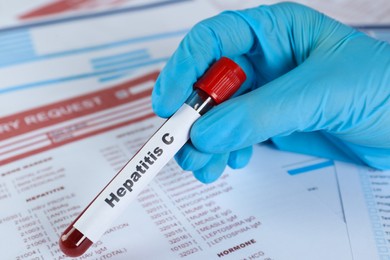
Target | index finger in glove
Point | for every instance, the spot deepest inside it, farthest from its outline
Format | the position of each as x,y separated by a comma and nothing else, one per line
224,35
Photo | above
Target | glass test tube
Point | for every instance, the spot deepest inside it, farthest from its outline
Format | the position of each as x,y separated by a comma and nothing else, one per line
218,84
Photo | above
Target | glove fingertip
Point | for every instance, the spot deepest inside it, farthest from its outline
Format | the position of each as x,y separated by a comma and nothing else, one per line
213,169
201,176
168,93
157,108
216,131
189,159
166,105
206,177
158,100
240,158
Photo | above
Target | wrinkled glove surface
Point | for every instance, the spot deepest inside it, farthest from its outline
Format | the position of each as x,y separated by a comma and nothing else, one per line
313,84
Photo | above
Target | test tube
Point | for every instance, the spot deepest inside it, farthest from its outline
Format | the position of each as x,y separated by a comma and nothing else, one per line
218,84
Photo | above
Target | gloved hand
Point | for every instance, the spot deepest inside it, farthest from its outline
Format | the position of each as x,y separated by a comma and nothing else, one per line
310,80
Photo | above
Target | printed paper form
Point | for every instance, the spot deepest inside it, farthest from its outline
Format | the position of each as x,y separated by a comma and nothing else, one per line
316,175
24,12
51,74
366,200
112,154
65,59
258,212
365,193
21,12
354,12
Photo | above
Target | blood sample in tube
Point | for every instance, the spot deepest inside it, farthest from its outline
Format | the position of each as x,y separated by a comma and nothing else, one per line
218,84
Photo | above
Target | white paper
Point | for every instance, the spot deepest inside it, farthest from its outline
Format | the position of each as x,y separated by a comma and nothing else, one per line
261,210
366,199
75,109
27,13
66,59
353,12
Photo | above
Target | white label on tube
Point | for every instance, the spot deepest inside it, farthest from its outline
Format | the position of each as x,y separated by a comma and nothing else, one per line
137,174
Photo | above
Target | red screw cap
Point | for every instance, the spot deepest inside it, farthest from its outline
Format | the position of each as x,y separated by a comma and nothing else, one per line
221,80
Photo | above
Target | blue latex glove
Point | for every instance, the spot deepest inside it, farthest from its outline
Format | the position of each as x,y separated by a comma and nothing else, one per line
308,77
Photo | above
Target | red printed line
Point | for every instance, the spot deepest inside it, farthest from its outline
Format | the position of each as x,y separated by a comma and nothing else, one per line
20,141
66,110
54,8
119,114
104,100
89,126
64,6
55,145
23,140
25,146
117,111
107,121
